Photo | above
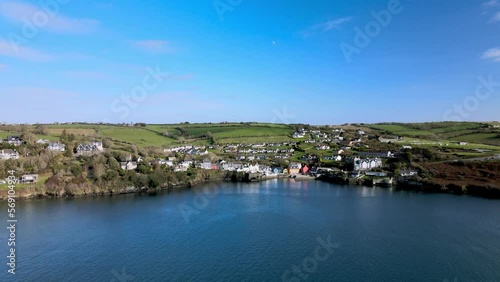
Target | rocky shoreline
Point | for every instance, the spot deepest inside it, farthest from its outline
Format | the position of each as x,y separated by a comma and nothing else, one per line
484,191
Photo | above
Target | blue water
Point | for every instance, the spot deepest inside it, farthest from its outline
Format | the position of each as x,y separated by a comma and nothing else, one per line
258,232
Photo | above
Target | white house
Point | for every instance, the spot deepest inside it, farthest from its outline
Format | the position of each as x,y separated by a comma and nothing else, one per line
128,165
98,145
93,147
206,164
230,166
322,147
57,147
165,162
365,164
14,140
406,173
29,178
6,154
42,141
298,135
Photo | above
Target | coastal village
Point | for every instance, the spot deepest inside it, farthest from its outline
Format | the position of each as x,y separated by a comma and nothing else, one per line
334,157
345,155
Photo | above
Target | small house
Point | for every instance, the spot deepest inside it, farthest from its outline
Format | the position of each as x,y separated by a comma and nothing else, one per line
129,165
57,147
29,178
6,154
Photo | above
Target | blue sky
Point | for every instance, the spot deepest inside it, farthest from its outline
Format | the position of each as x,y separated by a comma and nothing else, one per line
249,60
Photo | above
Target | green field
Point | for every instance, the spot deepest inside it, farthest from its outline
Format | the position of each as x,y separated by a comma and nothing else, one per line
135,135
479,135
154,134
443,131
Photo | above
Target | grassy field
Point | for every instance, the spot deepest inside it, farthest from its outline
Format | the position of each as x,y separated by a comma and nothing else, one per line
486,138
41,180
473,132
477,134
228,133
136,135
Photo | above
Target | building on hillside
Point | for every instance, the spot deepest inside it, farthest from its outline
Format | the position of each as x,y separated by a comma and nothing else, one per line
90,148
29,178
42,141
294,168
56,147
231,166
7,154
304,169
322,147
383,154
98,145
128,165
14,140
408,173
298,135
376,173
360,164
206,164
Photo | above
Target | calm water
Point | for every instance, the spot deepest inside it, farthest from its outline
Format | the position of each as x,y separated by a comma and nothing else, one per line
258,232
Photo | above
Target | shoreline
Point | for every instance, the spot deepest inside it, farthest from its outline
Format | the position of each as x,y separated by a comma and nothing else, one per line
422,187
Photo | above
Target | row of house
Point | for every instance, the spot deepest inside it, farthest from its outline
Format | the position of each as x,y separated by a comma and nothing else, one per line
13,140
187,150
360,164
89,148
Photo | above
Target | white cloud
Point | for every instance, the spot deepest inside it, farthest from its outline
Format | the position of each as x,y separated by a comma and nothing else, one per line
492,54
496,17
156,46
23,13
329,25
3,67
326,26
9,49
491,3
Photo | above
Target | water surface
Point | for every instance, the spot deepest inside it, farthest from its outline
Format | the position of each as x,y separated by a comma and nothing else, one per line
258,232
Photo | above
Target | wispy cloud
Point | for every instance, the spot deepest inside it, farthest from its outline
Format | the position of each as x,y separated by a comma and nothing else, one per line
329,25
155,46
326,26
3,67
496,17
491,3
23,53
492,54
19,12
